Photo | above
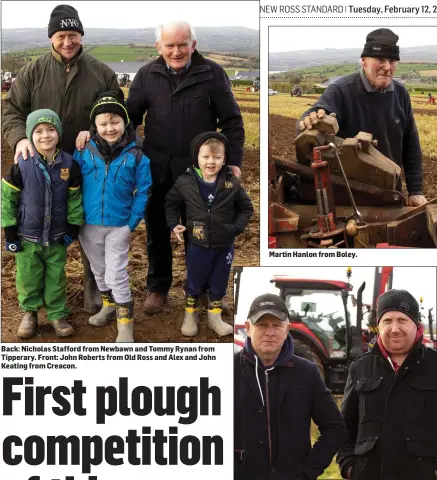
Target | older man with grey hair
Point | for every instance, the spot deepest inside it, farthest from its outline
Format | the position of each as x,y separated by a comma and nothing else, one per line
184,94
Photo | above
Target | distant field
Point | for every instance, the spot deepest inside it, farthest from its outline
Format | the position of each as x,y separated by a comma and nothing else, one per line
105,53
116,53
428,73
225,58
347,68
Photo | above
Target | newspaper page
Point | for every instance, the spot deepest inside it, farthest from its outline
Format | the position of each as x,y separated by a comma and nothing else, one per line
117,304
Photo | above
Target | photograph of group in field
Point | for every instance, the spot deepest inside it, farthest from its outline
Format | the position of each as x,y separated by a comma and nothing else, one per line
130,169
352,146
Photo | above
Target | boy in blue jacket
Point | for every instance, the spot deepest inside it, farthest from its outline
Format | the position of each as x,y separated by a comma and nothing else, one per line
115,186
41,214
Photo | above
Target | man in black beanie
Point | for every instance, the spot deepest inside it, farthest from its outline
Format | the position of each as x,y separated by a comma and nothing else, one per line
390,400
371,101
68,81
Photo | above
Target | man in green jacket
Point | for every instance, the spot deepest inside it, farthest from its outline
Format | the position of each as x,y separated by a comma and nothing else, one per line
68,81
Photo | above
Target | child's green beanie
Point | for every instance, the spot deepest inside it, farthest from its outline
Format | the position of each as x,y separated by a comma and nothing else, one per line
44,115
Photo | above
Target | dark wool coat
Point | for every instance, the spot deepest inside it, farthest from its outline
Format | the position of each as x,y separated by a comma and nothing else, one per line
272,440
218,225
202,102
391,419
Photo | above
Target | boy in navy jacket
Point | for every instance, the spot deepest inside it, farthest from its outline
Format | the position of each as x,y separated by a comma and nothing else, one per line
41,214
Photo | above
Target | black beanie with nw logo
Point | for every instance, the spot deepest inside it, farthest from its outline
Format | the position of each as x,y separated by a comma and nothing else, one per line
65,18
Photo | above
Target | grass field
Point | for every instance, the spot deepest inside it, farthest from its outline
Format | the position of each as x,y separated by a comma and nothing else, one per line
332,472
116,53
347,68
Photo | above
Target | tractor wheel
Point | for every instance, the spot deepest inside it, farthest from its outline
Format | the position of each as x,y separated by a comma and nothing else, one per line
303,350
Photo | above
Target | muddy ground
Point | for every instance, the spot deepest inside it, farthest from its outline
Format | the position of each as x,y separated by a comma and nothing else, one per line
162,327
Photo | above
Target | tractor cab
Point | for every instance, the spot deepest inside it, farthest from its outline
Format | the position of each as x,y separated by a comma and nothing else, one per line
318,311
322,326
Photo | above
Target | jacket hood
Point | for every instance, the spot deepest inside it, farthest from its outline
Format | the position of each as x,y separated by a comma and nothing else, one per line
200,139
284,358
112,151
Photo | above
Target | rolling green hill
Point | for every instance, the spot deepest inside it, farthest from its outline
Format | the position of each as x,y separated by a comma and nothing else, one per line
347,68
141,53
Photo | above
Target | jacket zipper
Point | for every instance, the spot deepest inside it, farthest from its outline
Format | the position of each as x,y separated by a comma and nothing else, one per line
103,189
268,417
49,206
209,211
209,227
95,166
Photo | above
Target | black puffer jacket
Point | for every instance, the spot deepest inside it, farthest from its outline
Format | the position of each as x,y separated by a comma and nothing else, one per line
218,226
272,433
203,101
391,419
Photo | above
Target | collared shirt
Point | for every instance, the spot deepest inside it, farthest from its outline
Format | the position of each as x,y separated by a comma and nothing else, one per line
184,70
370,88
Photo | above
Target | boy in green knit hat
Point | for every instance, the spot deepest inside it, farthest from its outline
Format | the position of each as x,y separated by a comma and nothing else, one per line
41,214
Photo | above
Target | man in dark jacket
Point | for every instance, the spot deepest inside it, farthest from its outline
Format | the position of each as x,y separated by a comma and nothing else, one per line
68,81
276,395
390,400
184,94
371,101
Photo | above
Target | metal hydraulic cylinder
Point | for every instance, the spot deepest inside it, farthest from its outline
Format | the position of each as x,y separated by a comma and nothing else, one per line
326,217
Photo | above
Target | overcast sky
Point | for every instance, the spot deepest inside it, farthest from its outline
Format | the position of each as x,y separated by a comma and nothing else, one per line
419,281
140,14
288,39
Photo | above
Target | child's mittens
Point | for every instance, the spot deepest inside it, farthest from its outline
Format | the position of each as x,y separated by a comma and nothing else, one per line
12,243
71,234
13,247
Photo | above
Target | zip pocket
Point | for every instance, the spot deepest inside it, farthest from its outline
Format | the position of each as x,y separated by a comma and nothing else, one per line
118,168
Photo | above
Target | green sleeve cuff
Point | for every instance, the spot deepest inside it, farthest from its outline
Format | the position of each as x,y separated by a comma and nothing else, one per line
74,206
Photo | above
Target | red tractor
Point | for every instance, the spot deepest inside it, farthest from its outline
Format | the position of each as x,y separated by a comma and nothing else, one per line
321,325
326,321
